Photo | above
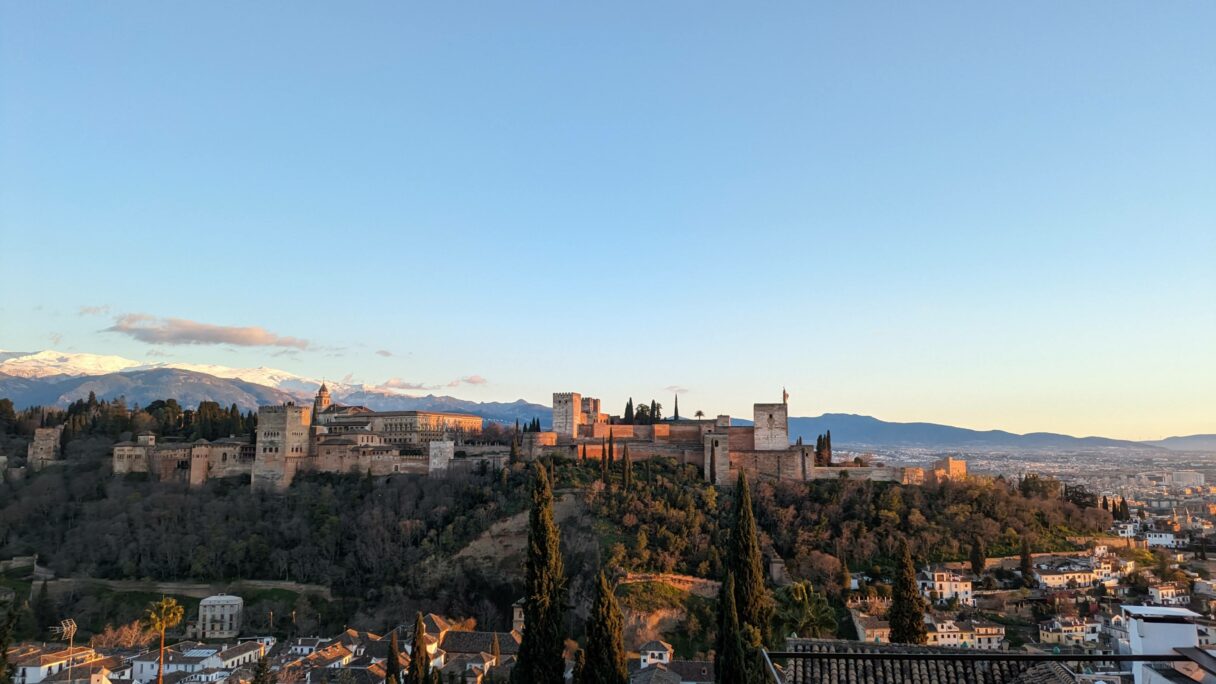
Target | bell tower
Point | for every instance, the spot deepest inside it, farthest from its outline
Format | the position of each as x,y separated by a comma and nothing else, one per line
322,401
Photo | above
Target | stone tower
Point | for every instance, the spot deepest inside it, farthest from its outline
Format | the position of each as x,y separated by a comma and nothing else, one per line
283,442
567,413
772,421
322,401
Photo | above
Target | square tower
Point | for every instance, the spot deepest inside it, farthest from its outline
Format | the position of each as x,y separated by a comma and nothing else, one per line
772,426
283,439
567,413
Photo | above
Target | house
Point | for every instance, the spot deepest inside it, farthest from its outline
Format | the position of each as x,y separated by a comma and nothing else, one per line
839,664
1169,594
37,663
870,629
1159,539
1069,631
653,652
941,586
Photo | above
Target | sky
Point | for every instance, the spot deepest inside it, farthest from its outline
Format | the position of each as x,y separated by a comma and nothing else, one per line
987,215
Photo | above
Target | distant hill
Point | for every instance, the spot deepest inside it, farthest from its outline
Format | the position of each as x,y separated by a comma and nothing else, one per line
501,412
141,387
865,431
191,387
1187,443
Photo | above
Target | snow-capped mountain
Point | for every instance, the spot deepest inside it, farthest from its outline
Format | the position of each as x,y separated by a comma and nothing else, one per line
49,363
58,378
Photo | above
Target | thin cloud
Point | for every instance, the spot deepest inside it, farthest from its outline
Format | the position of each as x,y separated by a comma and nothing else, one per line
93,310
384,352
400,384
676,389
156,352
55,338
154,330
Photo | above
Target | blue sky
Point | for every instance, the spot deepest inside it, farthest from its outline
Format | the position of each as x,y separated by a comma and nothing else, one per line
997,216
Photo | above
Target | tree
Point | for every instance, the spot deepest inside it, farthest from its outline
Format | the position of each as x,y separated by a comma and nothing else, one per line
753,604
580,666
261,673
611,448
730,661
1026,567
675,415
7,626
626,470
540,657
846,579
8,417
420,660
392,664
605,652
628,419
803,612
699,414
978,557
44,610
160,617
907,613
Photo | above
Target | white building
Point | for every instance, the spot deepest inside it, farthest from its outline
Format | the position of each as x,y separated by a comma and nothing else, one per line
219,617
1156,629
943,585
1161,539
1169,594
655,652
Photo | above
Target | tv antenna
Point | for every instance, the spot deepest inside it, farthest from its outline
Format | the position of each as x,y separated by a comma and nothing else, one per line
66,629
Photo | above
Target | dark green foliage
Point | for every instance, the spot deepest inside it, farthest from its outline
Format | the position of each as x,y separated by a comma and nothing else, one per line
730,661
420,660
8,626
1026,566
977,557
808,522
752,601
44,610
605,652
580,666
628,417
803,612
262,674
540,652
626,470
8,417
392,664
907,613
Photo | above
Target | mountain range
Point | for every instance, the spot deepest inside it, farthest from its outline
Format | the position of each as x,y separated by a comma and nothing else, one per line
58,378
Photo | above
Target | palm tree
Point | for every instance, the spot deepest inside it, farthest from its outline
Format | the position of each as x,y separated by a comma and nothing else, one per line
160,617
804,612
699,414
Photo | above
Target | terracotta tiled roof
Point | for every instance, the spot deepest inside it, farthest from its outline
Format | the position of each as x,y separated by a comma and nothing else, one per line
857,671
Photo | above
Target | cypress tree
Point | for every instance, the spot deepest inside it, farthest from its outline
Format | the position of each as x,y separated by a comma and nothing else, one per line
605,652
420,660
628,420
8,625
580,667
676,415
978,557
392,666
730,662
626,470
907,613
261,673
540,659
1026,566
752,601
611,448
846,579
654,411
583,453
827,448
